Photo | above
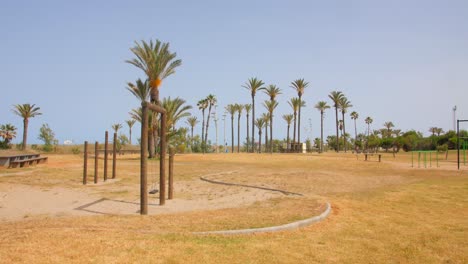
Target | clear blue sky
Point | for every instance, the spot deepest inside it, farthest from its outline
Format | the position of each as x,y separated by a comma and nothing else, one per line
399,61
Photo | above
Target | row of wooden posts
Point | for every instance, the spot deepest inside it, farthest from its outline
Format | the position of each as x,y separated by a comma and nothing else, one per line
96,157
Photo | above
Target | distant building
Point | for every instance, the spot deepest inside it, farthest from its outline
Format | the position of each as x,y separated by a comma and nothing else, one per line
68,142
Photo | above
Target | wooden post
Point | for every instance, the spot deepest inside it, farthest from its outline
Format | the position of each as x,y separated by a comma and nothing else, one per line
85,165
106,147
114,156
96,162
143,160
162,159
171,174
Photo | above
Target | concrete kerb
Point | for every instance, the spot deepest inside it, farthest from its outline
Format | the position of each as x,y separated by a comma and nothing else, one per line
290,226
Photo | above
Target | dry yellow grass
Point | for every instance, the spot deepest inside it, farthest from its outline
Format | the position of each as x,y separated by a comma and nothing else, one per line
382,212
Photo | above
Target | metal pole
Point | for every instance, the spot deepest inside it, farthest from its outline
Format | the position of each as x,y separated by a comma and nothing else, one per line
114,156
143,160
96,162
106,149
85,165
162,158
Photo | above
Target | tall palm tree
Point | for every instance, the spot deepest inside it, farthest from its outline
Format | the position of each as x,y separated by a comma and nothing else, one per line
388,126
299,85
231,109
260,123
130,124
156,61
368,121
211,99
202,105
439,131
141,90
272,91
116,127
192,122
253,85
344,104
270,107
26,111
354,116
321,106
433,130
247,108
294,103
336,96
239,109
288,118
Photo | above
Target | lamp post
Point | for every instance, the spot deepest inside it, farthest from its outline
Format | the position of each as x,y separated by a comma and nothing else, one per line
454,117
215,118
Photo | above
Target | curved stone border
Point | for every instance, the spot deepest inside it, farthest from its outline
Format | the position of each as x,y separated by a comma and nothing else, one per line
290,226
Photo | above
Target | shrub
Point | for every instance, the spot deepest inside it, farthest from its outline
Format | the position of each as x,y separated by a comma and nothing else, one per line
75,150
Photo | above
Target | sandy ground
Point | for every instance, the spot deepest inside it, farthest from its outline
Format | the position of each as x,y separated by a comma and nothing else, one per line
19,202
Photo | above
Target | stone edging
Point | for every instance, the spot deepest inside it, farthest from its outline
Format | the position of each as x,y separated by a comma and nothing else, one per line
290,226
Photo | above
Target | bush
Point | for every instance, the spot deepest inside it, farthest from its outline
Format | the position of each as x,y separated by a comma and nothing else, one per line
442,148
75,151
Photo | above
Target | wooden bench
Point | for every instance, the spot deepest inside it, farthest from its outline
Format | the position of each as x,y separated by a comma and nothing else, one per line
27,162
368,155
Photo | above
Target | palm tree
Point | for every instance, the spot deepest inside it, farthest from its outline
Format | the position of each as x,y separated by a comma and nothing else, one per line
176,109
294,103
288,119
202,105
321,106
192,122
260,123
368,121
7,132
116,127
239,109
26,111
130,124
270,107
141,90
354,115
439,131
433,130
388,126
211,99
156,61
344,104
272,91
336,96
266,117
253,85
299,85
231,109
247,108
136,114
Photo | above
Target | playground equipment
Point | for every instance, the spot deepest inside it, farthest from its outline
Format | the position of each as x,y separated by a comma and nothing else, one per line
96,159
424,155
464,143
146,107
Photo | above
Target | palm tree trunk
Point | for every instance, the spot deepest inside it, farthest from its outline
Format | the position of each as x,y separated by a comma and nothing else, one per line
344,132
271,133
130,139
207,124
337,147
253,124
232,134
248,143
355,136
154,94
299,121
238,133
294,130
25,133
266,137
203,132
321,132
287,139
259,140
